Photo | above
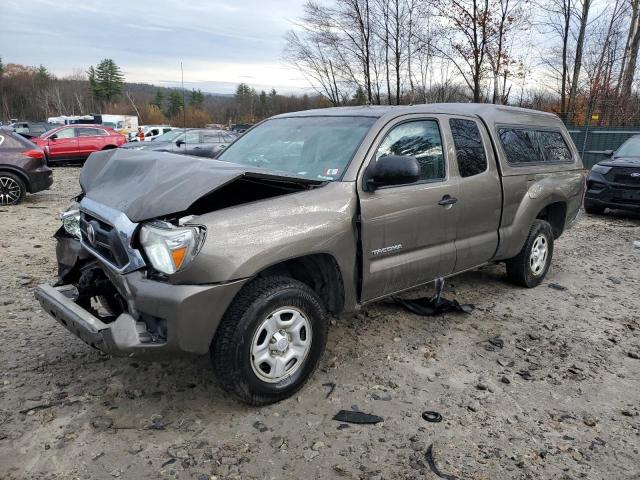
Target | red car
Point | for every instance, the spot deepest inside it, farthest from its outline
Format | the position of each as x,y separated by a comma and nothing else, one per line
77,142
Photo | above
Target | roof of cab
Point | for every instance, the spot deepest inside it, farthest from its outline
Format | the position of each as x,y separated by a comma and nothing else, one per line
493,114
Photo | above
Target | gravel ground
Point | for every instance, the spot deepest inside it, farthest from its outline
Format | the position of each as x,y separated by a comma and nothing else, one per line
534,384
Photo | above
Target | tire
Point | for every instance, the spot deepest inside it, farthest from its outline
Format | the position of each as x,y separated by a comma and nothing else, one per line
593,209
526,270
12,189
247,327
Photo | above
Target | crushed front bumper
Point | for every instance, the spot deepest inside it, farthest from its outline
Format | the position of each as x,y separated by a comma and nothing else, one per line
192,314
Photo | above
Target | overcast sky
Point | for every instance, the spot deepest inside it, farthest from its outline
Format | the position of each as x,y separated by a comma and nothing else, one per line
220,42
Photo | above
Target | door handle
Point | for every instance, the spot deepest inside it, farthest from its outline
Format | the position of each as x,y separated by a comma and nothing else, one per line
447,200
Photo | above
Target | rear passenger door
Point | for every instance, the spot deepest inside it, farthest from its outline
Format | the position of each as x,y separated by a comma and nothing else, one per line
480,193
408,231
90,140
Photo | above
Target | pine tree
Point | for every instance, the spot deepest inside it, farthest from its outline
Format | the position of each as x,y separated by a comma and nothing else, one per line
106,80
175,103
359,97
158,100
196,99
43,75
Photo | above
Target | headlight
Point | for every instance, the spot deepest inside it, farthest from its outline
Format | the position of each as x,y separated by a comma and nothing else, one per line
169,248
600,169
71,220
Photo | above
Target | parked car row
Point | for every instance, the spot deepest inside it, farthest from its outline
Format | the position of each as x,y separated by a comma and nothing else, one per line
612,183
200,142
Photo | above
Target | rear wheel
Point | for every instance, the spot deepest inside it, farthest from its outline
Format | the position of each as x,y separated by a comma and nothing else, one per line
592,208
531,265
270,340
12,189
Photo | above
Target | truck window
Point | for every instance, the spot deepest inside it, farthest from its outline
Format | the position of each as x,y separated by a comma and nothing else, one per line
470,153
554,147
521,145
420,139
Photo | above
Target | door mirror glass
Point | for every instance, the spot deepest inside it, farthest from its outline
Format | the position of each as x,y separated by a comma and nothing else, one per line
392,170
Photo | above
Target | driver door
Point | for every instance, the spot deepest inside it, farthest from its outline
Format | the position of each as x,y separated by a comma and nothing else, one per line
409,231
64,146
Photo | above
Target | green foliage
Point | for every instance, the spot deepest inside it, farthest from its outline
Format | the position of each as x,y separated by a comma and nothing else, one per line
176,104
106,81
359,97
42,75
1,67
158,100
196,98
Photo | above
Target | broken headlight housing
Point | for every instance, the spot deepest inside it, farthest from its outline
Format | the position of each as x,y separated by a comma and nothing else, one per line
70,219
170,248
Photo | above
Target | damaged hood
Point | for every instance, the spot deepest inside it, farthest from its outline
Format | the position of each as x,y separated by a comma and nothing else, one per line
147,184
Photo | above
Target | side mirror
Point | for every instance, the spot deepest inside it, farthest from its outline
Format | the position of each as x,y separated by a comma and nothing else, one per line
392,170
53,137
607,153
179,143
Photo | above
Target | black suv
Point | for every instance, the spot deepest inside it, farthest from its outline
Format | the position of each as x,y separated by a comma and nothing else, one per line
615,182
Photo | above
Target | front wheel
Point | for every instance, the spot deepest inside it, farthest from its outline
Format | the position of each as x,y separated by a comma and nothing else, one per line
270,340
531,265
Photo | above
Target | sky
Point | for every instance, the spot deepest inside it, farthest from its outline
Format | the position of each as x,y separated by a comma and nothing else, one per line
220,42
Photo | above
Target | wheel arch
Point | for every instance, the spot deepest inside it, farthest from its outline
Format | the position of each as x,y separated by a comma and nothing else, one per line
555,214
20,173
320,271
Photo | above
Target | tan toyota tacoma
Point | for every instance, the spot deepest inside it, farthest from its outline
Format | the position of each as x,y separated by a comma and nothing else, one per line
306,215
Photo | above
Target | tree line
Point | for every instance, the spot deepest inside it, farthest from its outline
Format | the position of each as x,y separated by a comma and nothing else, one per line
422,51
34,93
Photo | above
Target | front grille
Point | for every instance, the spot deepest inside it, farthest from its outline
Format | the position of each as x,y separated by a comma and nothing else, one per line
105,240
624,176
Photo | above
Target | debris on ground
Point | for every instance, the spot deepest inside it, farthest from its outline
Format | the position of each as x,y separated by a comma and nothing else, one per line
351,416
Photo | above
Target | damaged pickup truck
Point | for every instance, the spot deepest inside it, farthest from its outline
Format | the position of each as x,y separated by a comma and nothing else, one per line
307,215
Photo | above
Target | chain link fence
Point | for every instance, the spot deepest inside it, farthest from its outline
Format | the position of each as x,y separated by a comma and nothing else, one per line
595,143
604,129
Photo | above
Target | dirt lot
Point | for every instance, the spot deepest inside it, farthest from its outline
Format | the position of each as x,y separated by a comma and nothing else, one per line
539,384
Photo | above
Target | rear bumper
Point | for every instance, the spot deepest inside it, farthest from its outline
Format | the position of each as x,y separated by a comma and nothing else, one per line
40,179
191,314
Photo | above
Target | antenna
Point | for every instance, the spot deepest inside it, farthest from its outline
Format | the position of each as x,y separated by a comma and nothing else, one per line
184,106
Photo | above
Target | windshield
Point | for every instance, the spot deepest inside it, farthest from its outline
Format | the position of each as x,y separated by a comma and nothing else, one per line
170,136
630,148
315,147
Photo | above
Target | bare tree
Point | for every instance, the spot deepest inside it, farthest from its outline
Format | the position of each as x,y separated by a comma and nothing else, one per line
628,68
577,63
468,40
